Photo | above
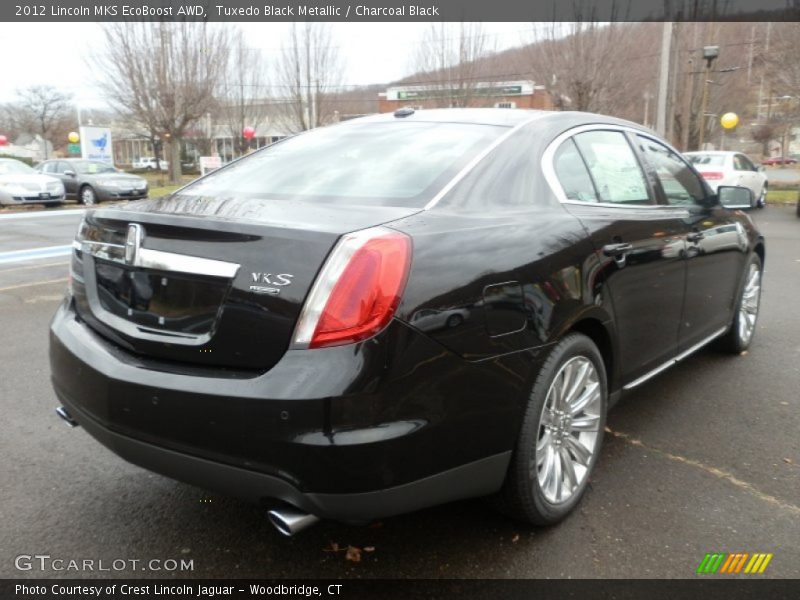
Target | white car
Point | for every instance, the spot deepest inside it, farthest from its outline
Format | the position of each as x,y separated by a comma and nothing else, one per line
21,184
731,168
148,163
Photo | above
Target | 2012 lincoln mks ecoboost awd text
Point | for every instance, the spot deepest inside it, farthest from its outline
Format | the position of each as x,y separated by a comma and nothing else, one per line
401,310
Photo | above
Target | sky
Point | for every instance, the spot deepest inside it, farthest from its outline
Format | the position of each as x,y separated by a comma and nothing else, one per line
59,54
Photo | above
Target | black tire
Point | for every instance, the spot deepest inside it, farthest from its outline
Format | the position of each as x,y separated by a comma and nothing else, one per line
522,496
87,196
761,202
733,340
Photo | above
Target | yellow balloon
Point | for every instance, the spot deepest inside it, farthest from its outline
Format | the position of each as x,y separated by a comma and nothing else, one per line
73,137
729,120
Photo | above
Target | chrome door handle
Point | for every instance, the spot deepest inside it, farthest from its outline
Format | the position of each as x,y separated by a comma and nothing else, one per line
617,249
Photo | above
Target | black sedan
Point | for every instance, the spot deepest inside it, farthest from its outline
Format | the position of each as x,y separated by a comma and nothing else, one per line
93,181
260,332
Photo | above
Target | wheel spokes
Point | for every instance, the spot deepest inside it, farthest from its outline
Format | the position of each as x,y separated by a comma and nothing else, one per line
568,429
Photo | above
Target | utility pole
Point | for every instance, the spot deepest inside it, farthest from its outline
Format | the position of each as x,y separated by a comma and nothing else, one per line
710,53
663,78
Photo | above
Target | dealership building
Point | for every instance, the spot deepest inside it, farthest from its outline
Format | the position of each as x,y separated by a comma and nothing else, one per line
497,94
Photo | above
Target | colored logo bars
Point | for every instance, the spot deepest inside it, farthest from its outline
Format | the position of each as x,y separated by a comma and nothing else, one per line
721,562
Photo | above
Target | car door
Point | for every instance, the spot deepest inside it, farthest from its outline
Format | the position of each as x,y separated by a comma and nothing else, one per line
70,181
639,243
716,244
749,176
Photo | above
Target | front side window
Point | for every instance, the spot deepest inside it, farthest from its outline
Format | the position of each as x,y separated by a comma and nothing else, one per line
572,173
616,172
389,164
681,186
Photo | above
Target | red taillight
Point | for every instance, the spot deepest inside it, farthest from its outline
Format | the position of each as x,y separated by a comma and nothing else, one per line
357,290
712,176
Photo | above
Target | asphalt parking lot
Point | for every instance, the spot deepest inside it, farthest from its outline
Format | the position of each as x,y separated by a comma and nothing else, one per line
704,458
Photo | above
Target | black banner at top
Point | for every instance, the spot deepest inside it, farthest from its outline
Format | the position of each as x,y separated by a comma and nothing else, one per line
399,10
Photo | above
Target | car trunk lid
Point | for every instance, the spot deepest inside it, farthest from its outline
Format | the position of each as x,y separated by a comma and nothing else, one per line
208,282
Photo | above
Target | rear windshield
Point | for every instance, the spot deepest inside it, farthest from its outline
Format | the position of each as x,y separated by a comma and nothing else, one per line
390,164
714,160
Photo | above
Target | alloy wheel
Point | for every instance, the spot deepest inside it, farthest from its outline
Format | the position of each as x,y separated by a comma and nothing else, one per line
569,429
748,307
87,196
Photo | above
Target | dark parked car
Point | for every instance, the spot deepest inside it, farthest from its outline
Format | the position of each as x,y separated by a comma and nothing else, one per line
778,160
93,181
254,332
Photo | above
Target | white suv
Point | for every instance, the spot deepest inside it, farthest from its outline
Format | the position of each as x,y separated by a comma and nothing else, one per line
149,163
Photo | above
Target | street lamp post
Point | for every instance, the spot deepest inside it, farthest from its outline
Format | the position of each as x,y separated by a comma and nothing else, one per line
710,53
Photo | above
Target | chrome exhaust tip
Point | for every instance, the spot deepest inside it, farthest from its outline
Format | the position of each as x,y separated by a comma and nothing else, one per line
290,521
66,417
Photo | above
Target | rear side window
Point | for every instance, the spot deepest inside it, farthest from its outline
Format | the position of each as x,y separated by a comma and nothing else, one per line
572,174
391,164
616,172
681,186
742,163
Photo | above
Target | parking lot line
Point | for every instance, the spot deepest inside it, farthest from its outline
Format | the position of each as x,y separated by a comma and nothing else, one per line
34,253
24,285
42,266
40,214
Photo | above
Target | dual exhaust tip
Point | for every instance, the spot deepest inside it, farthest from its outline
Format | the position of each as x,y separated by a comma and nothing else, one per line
288,521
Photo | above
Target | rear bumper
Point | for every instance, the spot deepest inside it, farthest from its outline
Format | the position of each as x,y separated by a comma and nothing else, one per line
348,433
475,479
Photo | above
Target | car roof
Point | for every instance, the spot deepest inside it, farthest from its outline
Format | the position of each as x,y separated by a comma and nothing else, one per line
719,152
503,117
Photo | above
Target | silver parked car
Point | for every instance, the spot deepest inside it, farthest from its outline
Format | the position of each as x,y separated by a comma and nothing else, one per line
21,184
93,181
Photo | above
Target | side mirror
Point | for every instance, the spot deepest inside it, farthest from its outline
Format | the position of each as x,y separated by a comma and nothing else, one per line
760,168
731,196
69,173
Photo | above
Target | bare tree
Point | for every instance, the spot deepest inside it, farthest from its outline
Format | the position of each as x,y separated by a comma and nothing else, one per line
163,76
309,68
584,64
782,75
45,110
451,58
243,94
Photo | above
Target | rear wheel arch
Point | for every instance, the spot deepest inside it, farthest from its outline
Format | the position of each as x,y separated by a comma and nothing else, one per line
761,251
596,331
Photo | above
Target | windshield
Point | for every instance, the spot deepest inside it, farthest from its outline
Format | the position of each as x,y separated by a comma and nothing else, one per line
13,167
714,160
390,164
90,167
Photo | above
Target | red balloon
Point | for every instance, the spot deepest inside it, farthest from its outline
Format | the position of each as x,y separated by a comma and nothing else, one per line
248,133
3,140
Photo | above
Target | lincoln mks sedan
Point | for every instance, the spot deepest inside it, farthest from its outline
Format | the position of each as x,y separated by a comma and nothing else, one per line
271,331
